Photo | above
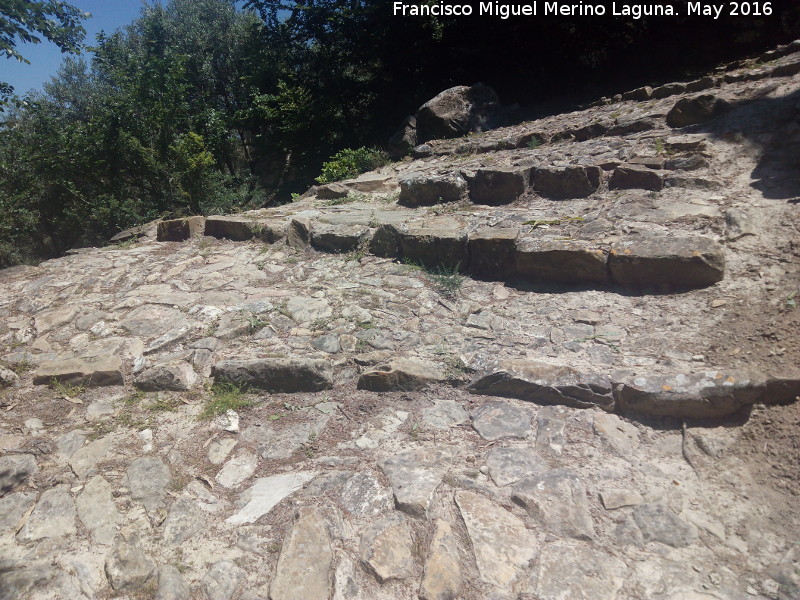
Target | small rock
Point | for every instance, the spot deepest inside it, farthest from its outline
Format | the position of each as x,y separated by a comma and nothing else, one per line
222,580
15,470
497,420
171,585
565,571
148,478
442,578
364,496
509,465
386,548
738,224
659,524
305,562
502,545
97,511
612,499
53,517
414,476
13,507
401,374
178,377
219,450
550,424
183,521
127,568
558,500
444,414
238,469
262,497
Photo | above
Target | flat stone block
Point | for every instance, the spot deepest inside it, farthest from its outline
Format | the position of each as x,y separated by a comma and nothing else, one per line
179,230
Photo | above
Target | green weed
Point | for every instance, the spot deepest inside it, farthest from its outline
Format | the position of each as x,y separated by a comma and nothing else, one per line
225,396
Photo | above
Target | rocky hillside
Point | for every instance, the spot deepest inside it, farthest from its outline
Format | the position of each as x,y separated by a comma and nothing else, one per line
551,361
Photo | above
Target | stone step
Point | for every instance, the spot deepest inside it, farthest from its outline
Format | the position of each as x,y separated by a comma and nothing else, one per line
650,261
710,394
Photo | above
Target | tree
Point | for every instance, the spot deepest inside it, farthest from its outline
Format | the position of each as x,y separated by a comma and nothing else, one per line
24,21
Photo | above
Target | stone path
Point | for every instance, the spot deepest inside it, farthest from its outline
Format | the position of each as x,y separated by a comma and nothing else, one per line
519,366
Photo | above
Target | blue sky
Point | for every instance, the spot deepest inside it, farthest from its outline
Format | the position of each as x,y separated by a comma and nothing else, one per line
107,15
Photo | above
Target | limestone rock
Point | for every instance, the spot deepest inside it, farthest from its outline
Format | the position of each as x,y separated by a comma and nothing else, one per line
265,494
401,374
238,229
578,573
493,252
92,372
550,424
442,578
128,568
659,260
278,375
435,247
8,378
634,177
386,548
545,383
622,437
97,511
571,262
223,580
613,499
500,185
148,478
238,469
444,414
363,495
338,238
558,500
404,139
178,230
171,585
178,377
659,524
37,581
496,420
183,521
502,545
698,395
151,321
564,183
414,476
12,509
509,465
418,189
304,566
83,461
15,470
53,517
692,111
457,111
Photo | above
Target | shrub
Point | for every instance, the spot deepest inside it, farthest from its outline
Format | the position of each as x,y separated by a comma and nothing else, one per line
348,163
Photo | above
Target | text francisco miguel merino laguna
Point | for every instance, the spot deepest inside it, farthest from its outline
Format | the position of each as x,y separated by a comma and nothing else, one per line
566,9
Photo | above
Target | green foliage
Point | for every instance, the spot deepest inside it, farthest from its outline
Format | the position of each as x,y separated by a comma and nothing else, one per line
348,163
225,396
24,21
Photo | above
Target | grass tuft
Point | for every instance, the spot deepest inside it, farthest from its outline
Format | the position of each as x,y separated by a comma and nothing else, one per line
225,396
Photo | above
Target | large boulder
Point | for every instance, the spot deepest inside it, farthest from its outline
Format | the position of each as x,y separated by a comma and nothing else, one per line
692,111
404,139
458,111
